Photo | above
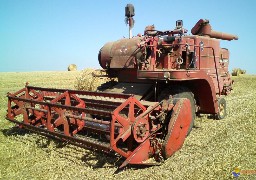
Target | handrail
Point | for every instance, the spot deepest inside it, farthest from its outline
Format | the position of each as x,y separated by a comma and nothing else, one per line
213,51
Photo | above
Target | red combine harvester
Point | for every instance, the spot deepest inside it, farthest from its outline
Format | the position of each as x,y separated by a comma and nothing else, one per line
164,78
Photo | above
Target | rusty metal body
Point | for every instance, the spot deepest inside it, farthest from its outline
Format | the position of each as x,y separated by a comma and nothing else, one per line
197,62
164,78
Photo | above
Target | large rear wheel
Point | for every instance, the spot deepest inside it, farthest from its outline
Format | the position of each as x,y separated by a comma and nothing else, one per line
178,92
179,123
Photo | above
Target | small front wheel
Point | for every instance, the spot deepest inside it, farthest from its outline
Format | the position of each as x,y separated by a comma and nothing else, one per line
222,109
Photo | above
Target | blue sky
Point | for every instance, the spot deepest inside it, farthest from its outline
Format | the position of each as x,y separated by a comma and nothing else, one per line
48,35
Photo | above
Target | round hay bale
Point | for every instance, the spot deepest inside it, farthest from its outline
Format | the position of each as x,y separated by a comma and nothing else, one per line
72,67
236,72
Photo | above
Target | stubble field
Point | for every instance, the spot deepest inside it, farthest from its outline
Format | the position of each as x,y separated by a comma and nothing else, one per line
212,150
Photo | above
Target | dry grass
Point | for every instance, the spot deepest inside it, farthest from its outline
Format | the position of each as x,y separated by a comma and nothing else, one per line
211,151
86,80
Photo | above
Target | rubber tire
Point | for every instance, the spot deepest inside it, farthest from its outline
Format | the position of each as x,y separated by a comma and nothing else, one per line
219,116
181,92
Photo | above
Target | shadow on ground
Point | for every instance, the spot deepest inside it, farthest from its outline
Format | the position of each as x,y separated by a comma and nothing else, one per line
74,153
14,131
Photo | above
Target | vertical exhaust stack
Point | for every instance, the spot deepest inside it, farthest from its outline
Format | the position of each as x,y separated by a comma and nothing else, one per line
129,13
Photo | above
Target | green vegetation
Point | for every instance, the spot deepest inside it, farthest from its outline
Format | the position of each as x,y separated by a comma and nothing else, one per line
212,150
